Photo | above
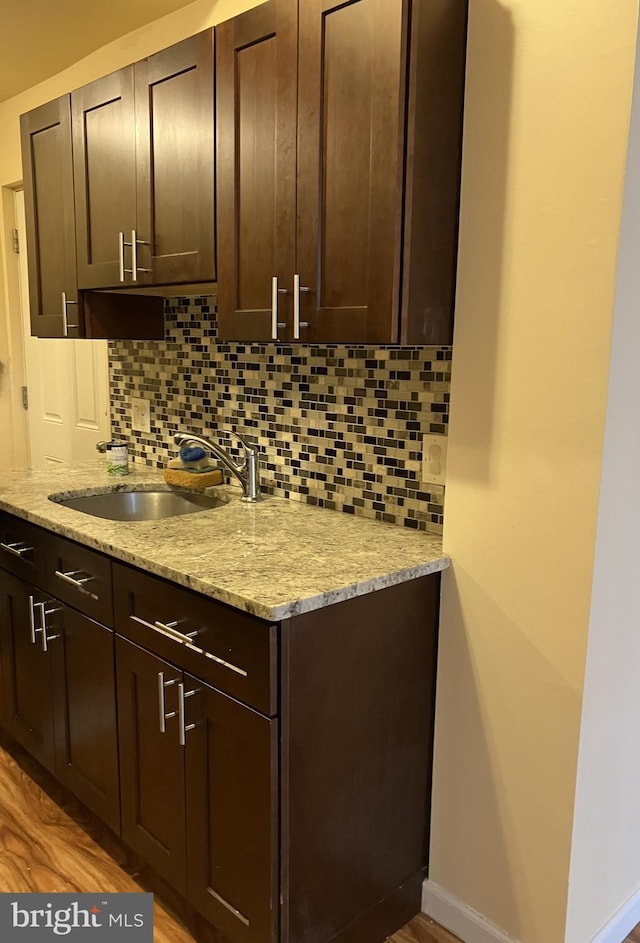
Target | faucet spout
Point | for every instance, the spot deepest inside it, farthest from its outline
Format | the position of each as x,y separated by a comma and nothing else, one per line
247,472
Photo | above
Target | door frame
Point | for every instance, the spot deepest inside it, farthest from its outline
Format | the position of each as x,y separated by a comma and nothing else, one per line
13,415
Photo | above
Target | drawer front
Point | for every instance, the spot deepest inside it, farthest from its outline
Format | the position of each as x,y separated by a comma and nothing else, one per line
22,549
81,577
234,652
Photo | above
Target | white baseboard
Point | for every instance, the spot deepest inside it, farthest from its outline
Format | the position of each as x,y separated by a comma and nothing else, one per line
472,927
459,918
622,922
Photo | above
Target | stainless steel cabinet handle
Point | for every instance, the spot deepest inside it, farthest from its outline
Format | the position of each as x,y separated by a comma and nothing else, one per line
167,628
44,612
78,582
275,291
46,638
17,548
32,620
162,685
182,696
121,255
297,323
65,318
74,580
135,242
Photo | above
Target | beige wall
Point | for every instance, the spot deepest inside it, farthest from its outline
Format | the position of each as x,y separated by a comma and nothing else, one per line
605,856
548,99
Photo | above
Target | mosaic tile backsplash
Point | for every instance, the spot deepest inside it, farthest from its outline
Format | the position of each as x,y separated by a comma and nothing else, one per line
339,427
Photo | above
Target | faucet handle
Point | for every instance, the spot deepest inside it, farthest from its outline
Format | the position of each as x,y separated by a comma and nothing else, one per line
247,446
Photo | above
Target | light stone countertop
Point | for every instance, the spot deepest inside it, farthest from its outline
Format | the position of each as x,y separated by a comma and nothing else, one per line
273,559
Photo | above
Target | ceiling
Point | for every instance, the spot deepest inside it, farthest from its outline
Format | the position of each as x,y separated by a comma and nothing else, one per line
41,37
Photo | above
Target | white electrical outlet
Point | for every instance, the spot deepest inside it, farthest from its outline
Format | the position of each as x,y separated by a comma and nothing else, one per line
140,414
434,459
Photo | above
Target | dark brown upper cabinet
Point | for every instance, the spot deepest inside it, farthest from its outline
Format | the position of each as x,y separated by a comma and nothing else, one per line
338,170
143,156
51,236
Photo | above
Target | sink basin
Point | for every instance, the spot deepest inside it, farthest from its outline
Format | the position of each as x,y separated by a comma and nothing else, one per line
147,505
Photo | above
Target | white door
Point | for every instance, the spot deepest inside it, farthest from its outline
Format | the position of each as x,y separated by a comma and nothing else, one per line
67,383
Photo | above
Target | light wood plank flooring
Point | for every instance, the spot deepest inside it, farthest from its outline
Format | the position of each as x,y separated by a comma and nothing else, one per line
49,842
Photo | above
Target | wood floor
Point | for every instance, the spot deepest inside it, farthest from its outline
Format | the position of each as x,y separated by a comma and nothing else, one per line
49,842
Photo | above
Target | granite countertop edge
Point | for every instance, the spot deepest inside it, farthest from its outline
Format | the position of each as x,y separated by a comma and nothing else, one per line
316,582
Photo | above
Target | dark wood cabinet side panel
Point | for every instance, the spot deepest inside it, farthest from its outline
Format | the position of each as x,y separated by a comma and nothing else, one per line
232,815
104,160
358,705
350,124
434,149
85,711
151,764
49,209
175,162
256,61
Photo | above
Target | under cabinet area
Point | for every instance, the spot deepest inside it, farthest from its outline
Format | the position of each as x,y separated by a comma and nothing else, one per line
277,774
338,168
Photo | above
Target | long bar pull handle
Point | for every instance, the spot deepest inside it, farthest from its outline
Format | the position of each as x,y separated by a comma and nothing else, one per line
182,729
162,685
17,548
43,622
65,315
275,291
44,612
77,581
121,255
135,242
297,323
32,620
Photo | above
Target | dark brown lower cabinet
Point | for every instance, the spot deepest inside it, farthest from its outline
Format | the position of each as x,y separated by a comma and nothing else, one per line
288,796
27,694
232,814
185,748
84,697
58,693
151,762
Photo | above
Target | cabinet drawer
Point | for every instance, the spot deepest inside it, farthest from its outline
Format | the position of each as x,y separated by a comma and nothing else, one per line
81,577
233,651
22,548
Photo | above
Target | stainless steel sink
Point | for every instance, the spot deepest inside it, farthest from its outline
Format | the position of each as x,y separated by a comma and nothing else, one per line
143,505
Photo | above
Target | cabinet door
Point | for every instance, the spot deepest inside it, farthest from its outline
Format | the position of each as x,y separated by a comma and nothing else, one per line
27,706
82,653
232,819
51,229
352,61
174,119
151,762
256,62
104,162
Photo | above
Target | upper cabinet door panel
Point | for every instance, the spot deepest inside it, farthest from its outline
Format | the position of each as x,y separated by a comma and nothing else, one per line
256,162
175,166
352,62
51,240
104,158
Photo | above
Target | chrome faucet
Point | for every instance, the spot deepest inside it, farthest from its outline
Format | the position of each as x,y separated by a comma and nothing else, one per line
246,473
